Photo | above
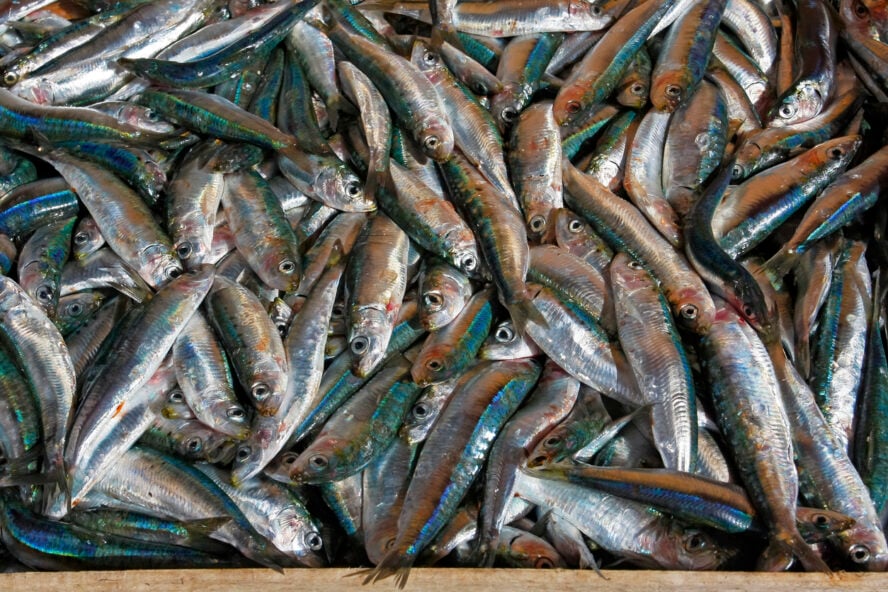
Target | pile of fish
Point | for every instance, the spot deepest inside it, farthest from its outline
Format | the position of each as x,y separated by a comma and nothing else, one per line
571,283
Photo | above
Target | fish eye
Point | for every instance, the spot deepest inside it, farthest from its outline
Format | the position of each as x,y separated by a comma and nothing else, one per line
194,444
184,250
573,107
504,334
243,453
435,365
318,462
81,238
173,271
314,541
538,461
390,543
545,562
44,293
260,391
836,153
786,110
694,541
287,267
737,172
289,458
673,91
537,224
431,143
75,309
860,10
635,264
748,311
359,345
859,553
552,442
10,78
353,189
469,263
338,311
637,89
420,411
689,312
821,521
430,58
509,114
433,301
282,329
235,414
575,226
177,396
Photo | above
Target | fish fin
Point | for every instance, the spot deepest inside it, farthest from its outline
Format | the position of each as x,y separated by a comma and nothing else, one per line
395,563
779,265
445,32
523,311
539,528
205,526
809,558
802,358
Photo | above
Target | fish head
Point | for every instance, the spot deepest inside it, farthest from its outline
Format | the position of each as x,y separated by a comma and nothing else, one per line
598,13
436,138
527,550
749,301
798,104
628,273
294,534
159,265
693,308
316,464
569,102
222,413
690,548
251,456
39,285
670,90
538,215
552,448
87,237
865,547
368,339
506,105
838,152
338,186
634,93
747,160
431,366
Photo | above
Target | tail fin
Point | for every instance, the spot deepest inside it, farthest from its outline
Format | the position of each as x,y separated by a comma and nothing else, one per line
809,558
395,563
523,311
779,265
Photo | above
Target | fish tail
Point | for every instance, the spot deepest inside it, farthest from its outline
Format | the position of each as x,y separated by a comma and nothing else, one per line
523,311
333,111
809,558
779,265
396,563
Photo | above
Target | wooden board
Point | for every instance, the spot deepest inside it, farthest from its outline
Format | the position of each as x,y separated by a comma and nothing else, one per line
465,580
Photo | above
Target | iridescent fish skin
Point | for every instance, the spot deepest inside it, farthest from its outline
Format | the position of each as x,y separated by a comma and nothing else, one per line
251,341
